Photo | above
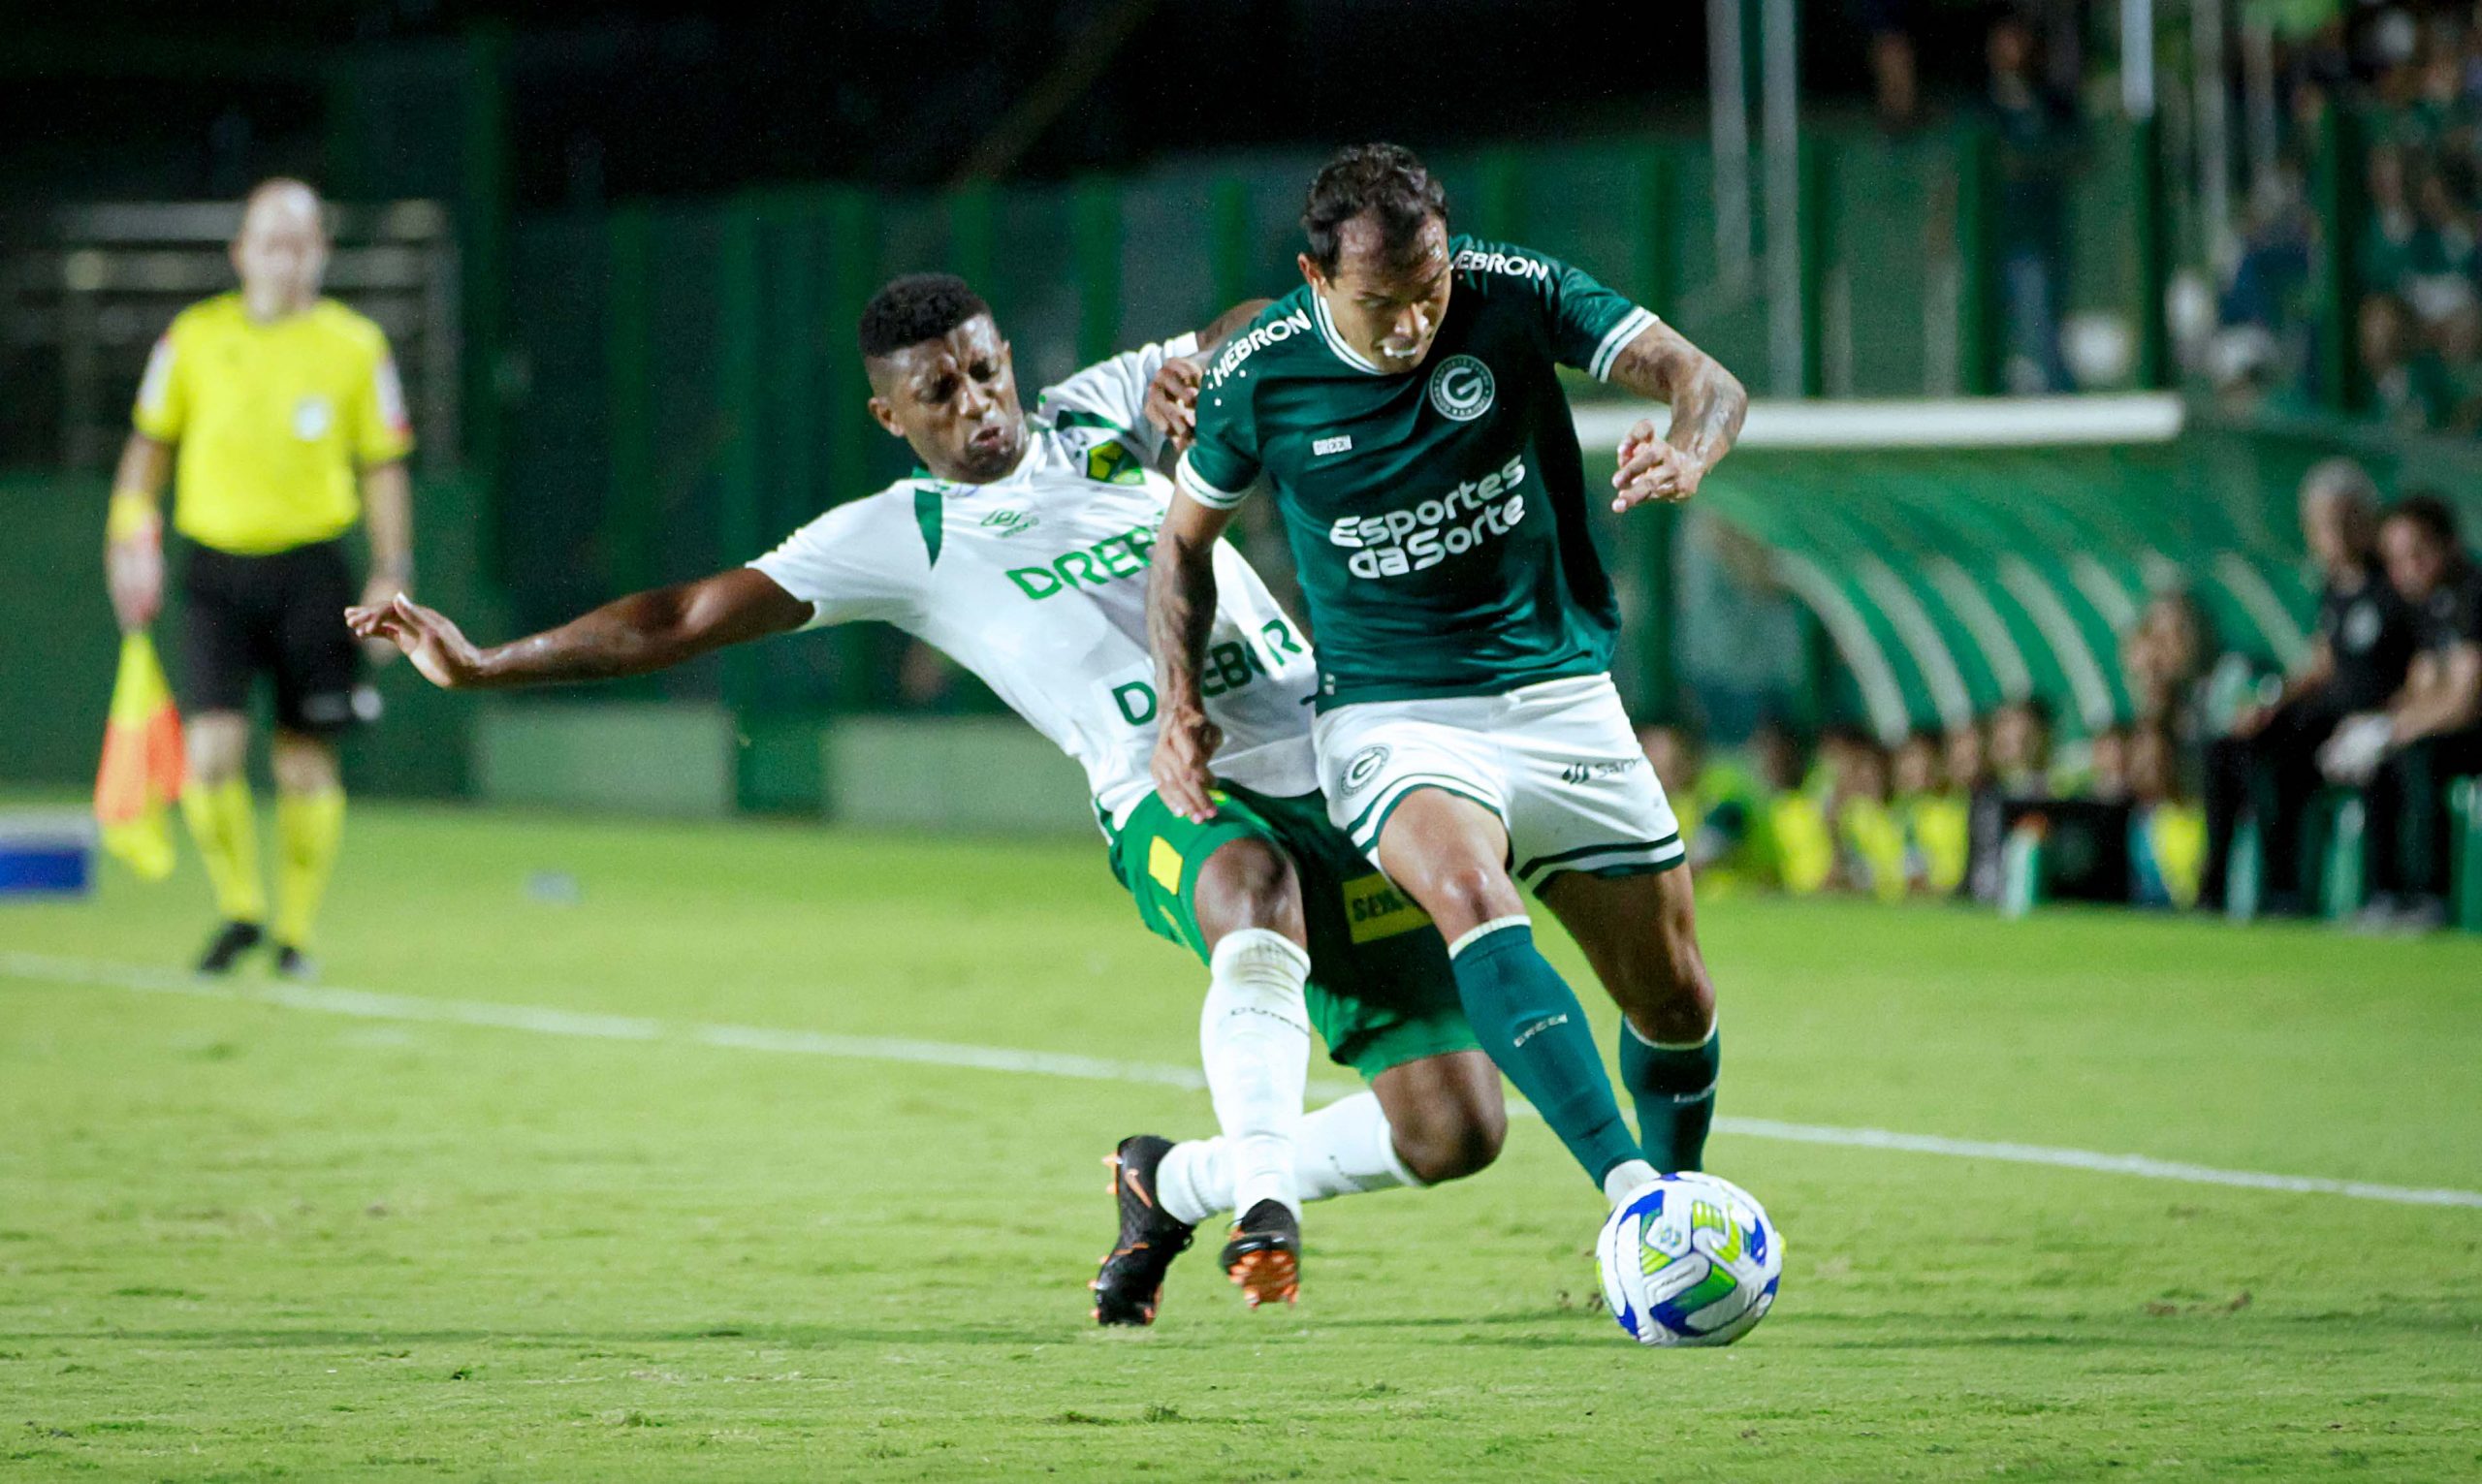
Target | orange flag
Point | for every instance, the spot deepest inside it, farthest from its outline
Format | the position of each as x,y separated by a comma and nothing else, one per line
142,768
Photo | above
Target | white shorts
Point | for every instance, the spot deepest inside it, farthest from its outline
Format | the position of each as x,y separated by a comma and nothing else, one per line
1558,762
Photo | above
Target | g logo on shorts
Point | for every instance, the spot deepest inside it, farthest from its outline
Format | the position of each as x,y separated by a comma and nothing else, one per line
1364,766
1461,389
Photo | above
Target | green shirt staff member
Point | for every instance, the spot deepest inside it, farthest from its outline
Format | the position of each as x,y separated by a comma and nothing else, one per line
288,423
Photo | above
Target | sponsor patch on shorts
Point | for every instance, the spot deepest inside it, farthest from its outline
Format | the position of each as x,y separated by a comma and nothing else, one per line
1374,909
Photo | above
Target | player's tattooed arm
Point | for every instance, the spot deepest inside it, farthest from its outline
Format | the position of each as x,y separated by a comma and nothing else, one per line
635,635
1180,612
1708,405
1172,399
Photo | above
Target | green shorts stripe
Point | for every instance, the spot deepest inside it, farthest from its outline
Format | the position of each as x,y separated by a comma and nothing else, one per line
1665,849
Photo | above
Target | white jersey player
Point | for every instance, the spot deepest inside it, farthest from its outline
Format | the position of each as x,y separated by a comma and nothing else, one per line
1036,583
1020,549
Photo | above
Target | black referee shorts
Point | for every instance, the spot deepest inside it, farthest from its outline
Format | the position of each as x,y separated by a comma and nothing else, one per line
283,616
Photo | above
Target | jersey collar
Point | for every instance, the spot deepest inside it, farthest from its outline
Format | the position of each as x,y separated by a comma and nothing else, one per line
1336,342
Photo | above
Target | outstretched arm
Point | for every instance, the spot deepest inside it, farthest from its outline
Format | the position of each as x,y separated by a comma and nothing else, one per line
635,635
1708,405
1180,613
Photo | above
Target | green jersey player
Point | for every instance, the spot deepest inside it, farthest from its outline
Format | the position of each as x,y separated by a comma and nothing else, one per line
1020,549
1404,407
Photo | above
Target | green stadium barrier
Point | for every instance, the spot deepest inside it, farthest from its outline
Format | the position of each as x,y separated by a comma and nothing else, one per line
2464,855
954,775
2245,878
2342,860
646,757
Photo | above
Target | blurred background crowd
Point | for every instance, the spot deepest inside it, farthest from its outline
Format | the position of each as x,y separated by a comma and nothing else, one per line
2396,89
2233,788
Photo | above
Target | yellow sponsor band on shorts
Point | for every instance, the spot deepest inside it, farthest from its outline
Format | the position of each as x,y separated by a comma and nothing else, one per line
1376,909
1163,864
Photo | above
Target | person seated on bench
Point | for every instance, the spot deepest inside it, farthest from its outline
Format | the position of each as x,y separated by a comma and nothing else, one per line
2432,733
2267,766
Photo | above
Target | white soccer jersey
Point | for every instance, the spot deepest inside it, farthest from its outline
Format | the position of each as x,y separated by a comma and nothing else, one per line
1036,583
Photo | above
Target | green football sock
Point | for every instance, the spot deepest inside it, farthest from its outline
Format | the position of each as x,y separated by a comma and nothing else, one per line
1675,1088
1529,1020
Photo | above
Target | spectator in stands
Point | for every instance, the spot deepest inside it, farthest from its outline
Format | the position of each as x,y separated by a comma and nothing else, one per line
1795,814
2439,261
2406,391
1893,78
2167,830
2107,773
2459,338
2020,749
1722,808
2433,731
1931,814
2387,235
1869,844
2165,654
2267,767
2036,140
1967,760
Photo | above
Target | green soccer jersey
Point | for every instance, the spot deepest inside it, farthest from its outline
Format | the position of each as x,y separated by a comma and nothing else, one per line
1437,515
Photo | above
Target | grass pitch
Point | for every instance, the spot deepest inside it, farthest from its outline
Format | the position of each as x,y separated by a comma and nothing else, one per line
242,1237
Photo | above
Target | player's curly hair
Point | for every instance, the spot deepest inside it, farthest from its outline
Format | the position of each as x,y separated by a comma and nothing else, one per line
914,308
1384,182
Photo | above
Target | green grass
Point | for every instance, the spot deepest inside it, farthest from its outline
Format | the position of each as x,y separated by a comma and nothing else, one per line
239,1240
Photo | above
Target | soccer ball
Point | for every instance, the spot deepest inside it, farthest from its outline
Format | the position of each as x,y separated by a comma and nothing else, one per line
1690,1259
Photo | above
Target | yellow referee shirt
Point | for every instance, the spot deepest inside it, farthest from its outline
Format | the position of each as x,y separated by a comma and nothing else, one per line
272,422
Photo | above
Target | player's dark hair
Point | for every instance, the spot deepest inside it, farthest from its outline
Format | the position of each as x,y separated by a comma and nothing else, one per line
2434,515
914,308
1383,181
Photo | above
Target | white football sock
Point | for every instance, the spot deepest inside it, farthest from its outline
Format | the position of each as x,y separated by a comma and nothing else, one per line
1344,1148
1253,1038
1625,1177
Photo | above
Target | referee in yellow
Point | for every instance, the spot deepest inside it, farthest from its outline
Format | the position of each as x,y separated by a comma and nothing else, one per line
285,418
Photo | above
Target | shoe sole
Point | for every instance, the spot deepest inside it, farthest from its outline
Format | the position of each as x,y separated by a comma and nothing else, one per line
1267,1275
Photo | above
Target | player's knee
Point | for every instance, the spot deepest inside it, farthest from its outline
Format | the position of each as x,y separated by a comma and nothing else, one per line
1249,883
214,748
1452,1141
304,764
1470,893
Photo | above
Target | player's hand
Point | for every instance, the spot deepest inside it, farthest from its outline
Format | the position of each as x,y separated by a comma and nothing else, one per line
438,649
1172,402
379,592
1183,748
1652,469
133,573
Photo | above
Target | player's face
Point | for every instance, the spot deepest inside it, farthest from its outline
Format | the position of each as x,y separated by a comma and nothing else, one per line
281,253
2415,564
955,400
1387,306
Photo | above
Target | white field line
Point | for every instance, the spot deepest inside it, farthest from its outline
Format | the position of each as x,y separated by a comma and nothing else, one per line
545,1021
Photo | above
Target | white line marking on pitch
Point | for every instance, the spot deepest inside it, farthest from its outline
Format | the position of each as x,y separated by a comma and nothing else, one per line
545,1021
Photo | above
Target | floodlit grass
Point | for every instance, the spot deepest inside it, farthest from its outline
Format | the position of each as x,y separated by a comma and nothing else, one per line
241,1238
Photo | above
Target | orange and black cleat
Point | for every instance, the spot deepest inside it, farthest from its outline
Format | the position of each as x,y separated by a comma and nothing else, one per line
1131,1286
1264,1256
